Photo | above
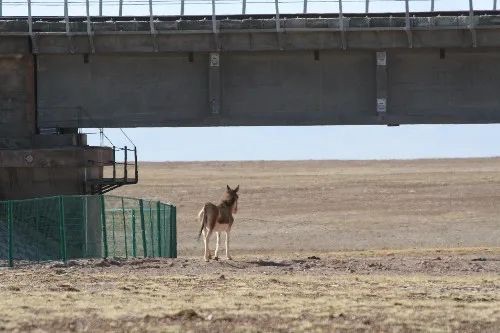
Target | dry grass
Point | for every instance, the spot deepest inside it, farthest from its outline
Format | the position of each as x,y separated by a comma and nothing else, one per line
404,246
336,205
252,294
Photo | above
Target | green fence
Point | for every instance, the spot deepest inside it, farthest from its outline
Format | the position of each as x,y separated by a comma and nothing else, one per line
97,226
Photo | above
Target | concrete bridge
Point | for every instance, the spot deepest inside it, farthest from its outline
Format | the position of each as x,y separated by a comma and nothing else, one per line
64,73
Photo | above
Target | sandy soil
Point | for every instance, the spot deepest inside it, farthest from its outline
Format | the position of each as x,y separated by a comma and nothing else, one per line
336,205
318,246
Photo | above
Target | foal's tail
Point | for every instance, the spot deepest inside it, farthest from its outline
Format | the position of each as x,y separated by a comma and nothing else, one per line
202,216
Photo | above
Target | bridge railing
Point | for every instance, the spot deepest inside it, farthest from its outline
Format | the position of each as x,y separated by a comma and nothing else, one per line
154,8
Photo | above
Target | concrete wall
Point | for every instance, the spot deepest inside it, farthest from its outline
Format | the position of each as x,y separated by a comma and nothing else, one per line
27,173
17,100
120,90
269,88
34,165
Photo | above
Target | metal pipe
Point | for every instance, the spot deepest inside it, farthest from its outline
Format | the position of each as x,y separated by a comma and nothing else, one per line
407,14
341,15
89,25
244,7
136,167
494,5
432,5
367,6
66,15
120,8
471,11
214,18
125,174
114,163
100,7
151,20
341,25
87,12
277,17
408,24
30,19
1,8
305,7
182,7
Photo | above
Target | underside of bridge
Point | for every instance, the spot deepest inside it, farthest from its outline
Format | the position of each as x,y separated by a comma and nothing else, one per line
58,76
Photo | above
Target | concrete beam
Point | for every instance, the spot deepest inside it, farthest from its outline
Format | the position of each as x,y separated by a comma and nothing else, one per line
64,157
270,88
267,41
250,34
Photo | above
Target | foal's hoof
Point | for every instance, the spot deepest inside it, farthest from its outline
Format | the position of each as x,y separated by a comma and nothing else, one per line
206,259
216,258
229,258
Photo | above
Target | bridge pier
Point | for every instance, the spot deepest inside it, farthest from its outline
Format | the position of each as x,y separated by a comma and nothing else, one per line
34,164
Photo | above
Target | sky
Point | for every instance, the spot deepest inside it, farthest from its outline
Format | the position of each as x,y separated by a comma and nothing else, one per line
287,143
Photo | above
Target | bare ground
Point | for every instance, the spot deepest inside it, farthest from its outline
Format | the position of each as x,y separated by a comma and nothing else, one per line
394,246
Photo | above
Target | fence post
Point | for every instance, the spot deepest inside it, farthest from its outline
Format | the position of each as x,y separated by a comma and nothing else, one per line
124,229
152,230
134,240
10,226
158,221
62,231
143,228
113,233
104,231
85,226
166,236
37,225
173,231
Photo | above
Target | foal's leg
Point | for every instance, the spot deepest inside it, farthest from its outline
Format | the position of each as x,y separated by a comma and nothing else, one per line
216,257
228,257
206,238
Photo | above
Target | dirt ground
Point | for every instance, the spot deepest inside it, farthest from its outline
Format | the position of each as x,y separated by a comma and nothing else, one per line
318,246
336,205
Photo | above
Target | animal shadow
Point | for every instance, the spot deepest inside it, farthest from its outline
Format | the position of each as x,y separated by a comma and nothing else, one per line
268,263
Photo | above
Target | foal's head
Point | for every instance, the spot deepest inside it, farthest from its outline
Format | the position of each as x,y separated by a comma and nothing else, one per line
231,198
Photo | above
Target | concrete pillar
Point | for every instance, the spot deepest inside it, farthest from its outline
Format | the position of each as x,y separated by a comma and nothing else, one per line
53,162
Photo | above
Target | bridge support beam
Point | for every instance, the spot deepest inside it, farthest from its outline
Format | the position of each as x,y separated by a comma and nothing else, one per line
381,83
214,83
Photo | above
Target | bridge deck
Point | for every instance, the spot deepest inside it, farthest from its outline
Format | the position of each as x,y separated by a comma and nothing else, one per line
232,23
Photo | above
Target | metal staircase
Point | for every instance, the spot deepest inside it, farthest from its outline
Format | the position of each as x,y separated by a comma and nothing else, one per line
120,173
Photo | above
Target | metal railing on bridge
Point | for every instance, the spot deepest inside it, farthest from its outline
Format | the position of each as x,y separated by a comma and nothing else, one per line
152,8
153,11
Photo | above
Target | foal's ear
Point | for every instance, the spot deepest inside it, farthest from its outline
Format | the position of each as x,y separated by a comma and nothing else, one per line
228,188
237,188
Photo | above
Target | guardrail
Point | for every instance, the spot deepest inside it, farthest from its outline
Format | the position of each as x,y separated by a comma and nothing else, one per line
152,8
